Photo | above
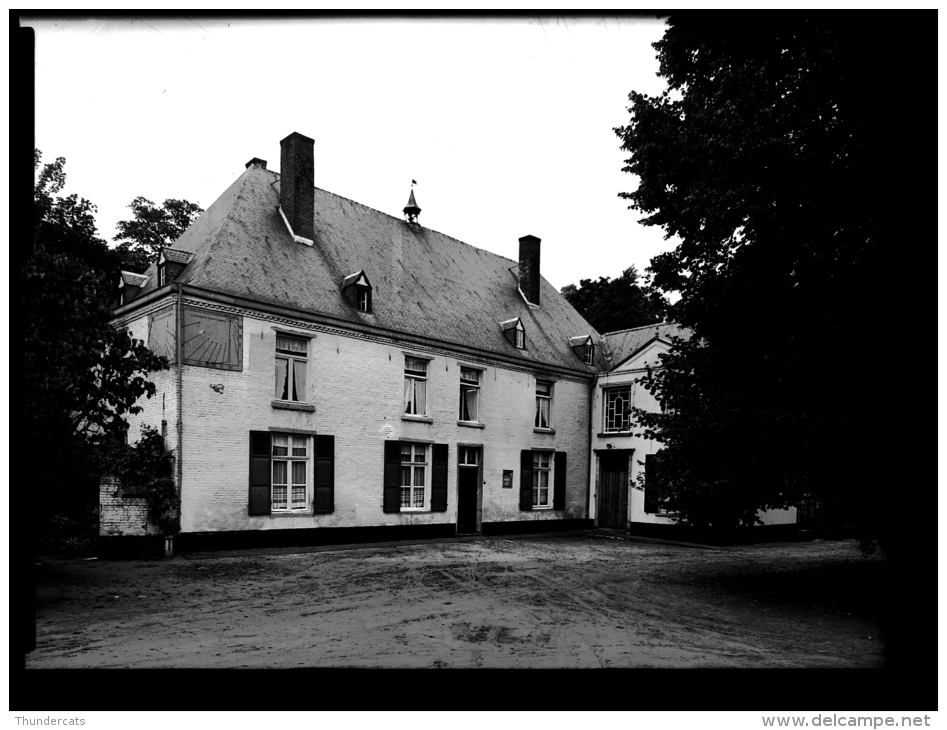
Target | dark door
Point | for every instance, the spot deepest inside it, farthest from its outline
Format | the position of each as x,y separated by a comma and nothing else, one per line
468,489
613,491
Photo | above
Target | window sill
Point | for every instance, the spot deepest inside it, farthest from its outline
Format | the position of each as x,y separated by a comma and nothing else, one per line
544,430
291,406
615,434
539,508
413,510
418,419
294,513
470,424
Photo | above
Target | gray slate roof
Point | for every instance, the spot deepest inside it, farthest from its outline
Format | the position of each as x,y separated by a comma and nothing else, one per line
424,282
624,343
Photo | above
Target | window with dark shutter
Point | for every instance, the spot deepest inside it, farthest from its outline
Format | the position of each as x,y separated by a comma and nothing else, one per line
260,473
392,485
526,480
559,481
439,479
324,486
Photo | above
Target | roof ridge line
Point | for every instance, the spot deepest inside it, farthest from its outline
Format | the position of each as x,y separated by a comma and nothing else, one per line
639,327
381,212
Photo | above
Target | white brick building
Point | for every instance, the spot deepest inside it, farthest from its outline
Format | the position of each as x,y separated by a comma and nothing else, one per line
341,374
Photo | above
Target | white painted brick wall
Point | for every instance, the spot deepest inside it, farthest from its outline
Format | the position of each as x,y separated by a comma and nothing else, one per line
357,389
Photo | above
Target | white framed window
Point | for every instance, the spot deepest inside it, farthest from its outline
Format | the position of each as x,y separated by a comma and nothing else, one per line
290,484
362,301
415,386
541,469
162,275
618,409
520,336
292,364
589,353
543,404
413,475
469,394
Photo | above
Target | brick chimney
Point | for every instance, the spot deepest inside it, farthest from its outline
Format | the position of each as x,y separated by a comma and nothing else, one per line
529,268
296,194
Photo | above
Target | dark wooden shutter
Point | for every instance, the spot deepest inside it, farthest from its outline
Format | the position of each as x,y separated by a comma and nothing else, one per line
439,479
392,491
651,504
526,480
324,485
260,473
559,483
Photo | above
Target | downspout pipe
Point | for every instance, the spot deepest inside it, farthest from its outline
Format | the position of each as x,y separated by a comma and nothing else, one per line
591,467
179,358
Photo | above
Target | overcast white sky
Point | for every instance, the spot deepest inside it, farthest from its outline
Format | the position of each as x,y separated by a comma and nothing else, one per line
506,124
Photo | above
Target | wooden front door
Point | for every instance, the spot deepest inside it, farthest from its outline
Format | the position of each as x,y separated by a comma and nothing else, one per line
468,489
613,491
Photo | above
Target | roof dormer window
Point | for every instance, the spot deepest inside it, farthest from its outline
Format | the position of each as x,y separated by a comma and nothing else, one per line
171,263
583,347
358,291
129,286
514,331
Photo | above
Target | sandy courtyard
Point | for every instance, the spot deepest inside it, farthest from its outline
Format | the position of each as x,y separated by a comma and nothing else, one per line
571,601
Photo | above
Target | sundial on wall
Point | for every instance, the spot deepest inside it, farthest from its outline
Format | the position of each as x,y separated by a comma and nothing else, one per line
211,339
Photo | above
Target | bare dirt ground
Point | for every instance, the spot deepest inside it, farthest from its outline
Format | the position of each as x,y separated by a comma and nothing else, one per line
554,601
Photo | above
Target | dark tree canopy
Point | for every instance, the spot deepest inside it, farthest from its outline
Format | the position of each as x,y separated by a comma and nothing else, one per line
776,157
152,227
617,304
80,375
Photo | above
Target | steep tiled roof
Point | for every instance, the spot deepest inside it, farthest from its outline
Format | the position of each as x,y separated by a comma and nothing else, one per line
424,282
625,343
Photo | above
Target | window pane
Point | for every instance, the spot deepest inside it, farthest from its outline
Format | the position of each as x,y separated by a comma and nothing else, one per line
471,397
299,380
418,498
299,445
406,496
420,395
415,365
291,344
279,472
406,476
542,388
281,381
420,452
279,497
299,472
419,476
299,496
470,375
408,395
406,452
280,445
542,412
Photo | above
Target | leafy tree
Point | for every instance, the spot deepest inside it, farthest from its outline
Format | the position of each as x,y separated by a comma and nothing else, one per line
66,225
153,227
617,304
80,375
764,156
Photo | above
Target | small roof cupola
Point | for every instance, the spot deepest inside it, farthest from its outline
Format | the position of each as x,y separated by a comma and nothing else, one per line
411,210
